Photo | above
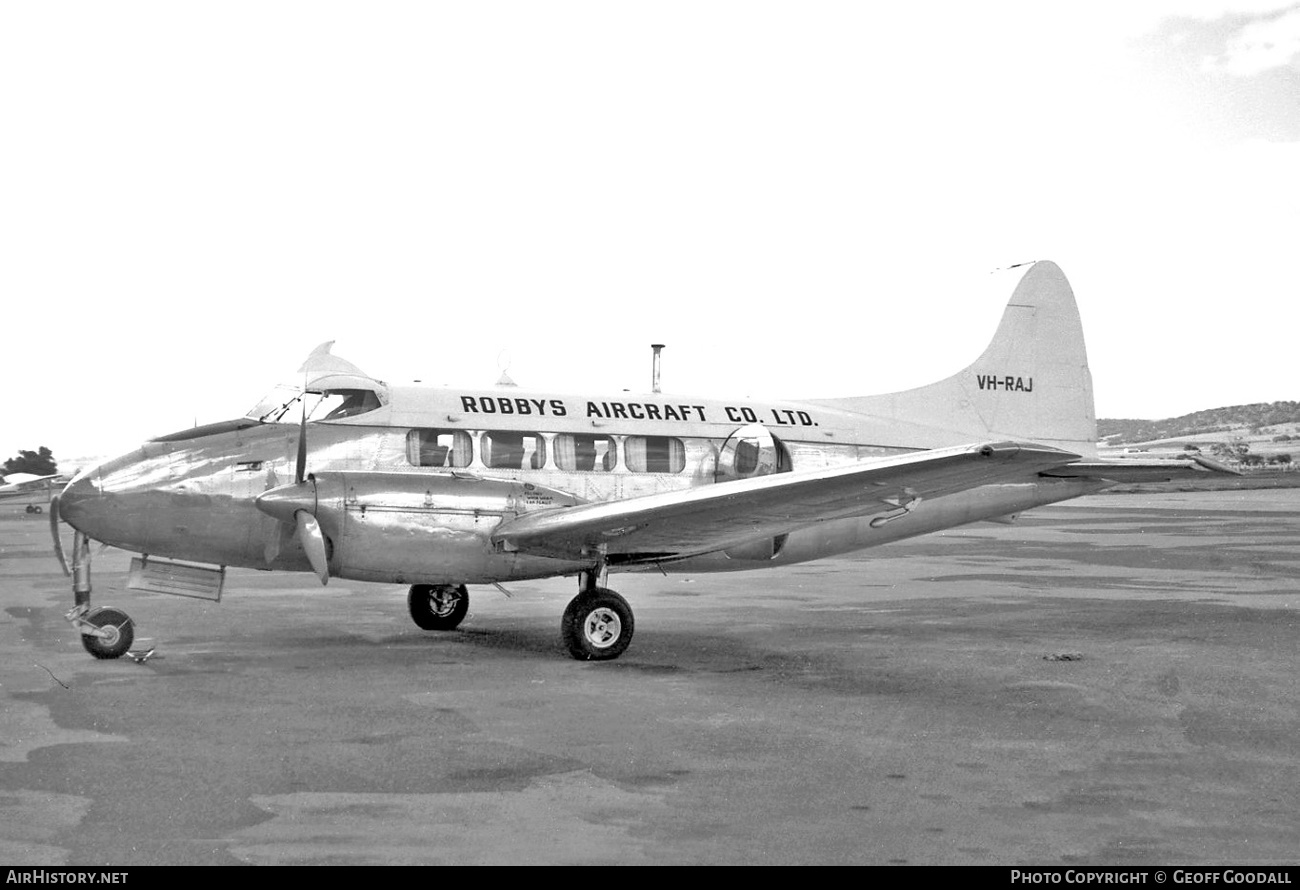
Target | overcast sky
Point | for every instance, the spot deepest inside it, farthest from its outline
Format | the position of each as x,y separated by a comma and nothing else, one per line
800,199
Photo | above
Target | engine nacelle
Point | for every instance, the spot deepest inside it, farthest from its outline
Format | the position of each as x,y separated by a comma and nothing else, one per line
435,528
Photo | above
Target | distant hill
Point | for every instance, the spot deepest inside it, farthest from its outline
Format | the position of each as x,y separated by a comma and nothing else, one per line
1201,423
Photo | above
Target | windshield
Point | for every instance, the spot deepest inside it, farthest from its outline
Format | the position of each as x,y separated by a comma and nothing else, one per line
284,404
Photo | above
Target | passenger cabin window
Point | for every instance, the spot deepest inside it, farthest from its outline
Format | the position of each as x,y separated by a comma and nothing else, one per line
585,454
510,450
654,454
439,448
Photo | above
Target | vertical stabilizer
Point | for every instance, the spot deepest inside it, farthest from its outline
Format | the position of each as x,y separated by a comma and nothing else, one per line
1031,384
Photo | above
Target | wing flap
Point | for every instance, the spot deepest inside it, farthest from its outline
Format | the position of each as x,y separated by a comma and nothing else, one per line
713,517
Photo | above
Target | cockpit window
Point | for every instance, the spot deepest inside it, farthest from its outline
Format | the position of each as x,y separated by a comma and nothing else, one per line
335,389
284,404
344,403
275,405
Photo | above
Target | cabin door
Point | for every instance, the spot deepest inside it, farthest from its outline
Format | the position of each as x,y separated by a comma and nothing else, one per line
753,451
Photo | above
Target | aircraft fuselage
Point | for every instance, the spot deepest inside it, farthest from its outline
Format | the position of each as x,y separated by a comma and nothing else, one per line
419,484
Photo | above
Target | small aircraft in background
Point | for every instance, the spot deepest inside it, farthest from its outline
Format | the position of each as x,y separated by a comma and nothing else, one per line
30,490
440,488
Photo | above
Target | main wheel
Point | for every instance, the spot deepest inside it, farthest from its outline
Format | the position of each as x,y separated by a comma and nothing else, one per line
118,630
597,625
438,606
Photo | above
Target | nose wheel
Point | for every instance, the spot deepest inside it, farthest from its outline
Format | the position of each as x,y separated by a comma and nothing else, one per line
597,625
107,633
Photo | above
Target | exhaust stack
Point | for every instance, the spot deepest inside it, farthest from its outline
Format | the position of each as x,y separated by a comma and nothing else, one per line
654,373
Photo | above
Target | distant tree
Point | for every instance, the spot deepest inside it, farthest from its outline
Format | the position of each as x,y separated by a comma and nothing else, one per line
1281,458
1234,450
38,463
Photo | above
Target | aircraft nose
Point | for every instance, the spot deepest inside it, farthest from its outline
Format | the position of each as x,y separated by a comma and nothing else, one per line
159,499
79,500
93,502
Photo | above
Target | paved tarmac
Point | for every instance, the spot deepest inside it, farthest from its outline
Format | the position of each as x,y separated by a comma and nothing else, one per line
1111,681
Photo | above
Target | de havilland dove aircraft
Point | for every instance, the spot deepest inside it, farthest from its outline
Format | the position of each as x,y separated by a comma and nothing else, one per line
440,488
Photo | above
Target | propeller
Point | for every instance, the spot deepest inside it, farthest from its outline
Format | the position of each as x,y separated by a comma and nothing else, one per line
305,525
54,531
313,542
288,503
300,470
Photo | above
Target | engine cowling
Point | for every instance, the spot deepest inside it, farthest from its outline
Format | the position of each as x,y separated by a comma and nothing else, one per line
418,528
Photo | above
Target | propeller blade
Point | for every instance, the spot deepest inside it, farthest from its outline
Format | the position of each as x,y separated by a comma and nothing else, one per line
300,472
271,536
271,527
313,542
54,530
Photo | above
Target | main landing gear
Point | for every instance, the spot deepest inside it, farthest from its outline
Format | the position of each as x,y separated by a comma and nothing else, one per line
598,624
106,633
438,606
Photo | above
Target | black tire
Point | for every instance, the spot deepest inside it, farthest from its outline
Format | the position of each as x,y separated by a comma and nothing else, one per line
121,630
597,625
438,606
38,509
30,509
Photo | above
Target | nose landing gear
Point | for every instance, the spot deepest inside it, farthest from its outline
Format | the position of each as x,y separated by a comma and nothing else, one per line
106,633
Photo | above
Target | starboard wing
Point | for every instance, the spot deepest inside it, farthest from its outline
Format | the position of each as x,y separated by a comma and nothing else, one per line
714,517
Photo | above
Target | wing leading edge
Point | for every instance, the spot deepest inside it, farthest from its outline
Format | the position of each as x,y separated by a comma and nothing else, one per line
714,517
